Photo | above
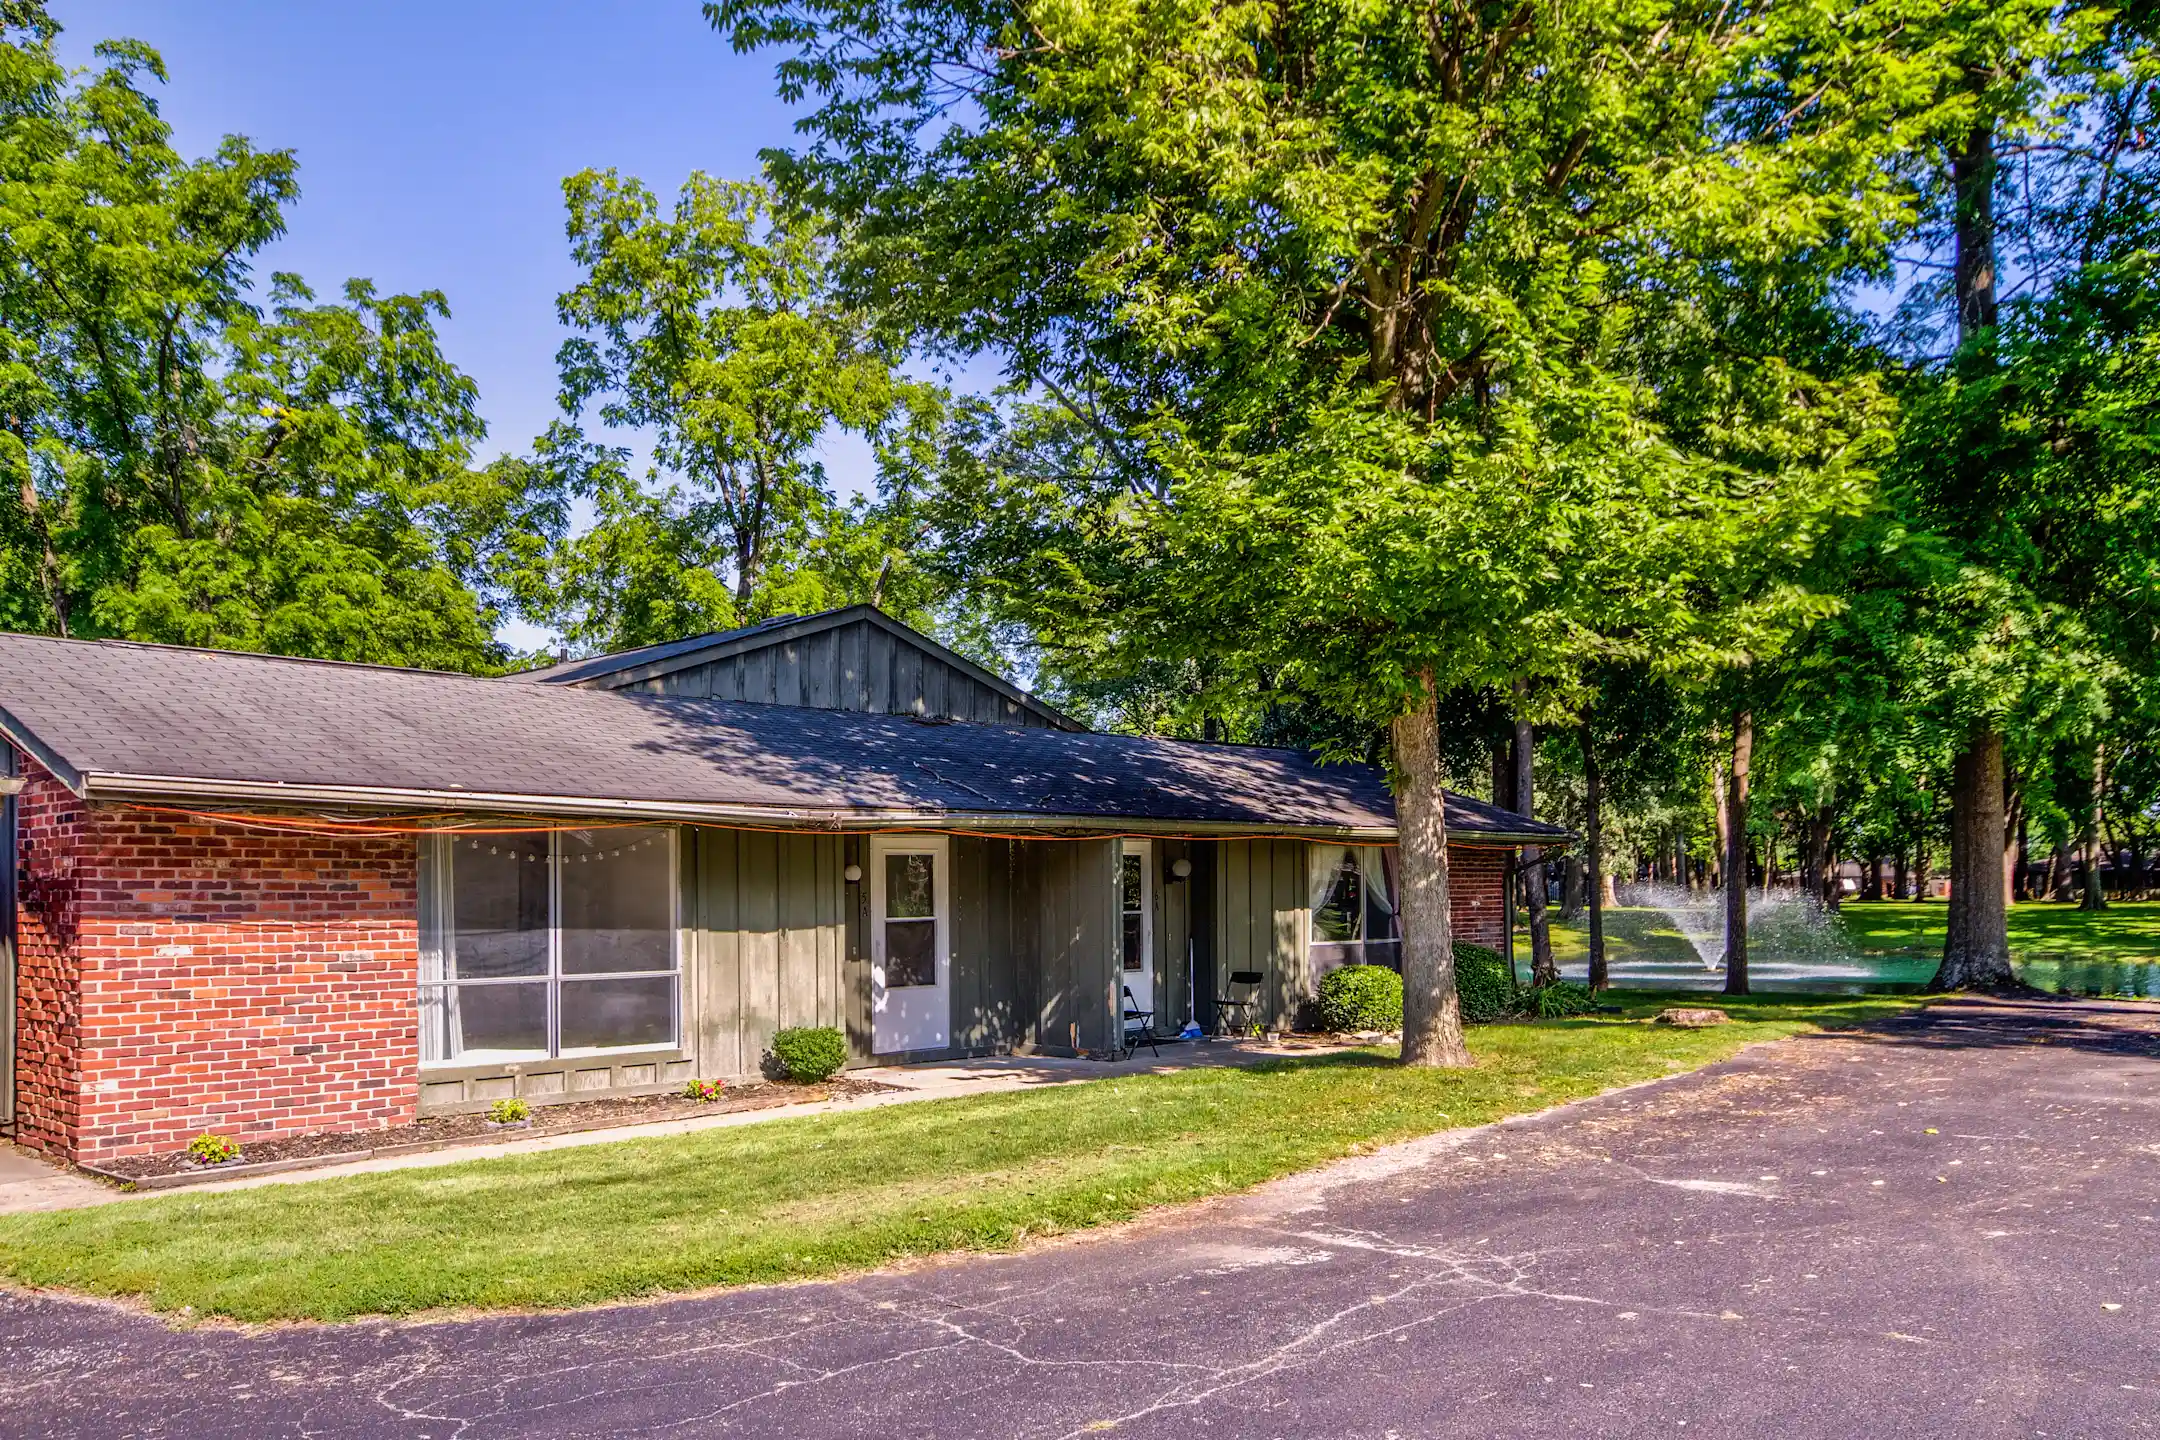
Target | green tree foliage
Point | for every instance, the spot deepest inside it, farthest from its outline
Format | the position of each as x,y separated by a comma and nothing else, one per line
180,464
1336,299
710,323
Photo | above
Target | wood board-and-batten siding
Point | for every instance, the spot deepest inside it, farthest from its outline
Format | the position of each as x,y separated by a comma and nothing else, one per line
1261,899
774,935
858,666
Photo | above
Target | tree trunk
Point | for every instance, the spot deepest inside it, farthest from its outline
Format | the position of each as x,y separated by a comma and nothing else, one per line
2013,836
1815,857
1972,179
1543,970
2063,874
49,571
1874,877
1976,949
1901,875
1571,888
1736,811
1976,946
2095,888
1599,887
1722,822
1432,1012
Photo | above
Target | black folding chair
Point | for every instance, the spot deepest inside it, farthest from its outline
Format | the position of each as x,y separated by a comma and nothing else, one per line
1235,1015
1141,1023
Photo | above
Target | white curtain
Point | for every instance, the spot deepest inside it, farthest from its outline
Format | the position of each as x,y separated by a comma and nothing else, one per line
1326,860
1377,864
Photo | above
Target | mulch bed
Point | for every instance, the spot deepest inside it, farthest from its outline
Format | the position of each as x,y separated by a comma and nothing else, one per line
440,1130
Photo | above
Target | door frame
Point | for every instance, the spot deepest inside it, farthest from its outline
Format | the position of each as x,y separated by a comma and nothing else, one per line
939,847
1144,991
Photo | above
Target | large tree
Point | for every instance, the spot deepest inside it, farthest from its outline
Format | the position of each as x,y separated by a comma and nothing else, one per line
1337,290
2025,408
183,463
709,323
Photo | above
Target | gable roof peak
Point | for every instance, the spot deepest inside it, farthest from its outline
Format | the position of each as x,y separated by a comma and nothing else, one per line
647,663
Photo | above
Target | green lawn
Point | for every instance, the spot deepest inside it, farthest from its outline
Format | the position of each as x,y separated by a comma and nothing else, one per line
1631,935
825,1194
1907,938
2126,930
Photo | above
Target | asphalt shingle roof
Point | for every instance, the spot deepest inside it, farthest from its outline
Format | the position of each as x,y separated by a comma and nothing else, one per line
107,710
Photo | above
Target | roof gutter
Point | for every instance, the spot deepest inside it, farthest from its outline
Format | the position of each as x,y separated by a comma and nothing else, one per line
184,788
831,819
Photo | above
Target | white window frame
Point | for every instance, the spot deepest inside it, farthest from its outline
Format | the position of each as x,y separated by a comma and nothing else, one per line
554,979
1358,951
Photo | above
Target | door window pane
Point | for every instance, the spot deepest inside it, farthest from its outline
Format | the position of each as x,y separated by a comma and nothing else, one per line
499,922
910,886
618,901
597,1014
1132,897
910,952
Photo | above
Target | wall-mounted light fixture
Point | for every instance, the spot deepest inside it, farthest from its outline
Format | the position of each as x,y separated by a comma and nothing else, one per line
853,874
11,784
1180,868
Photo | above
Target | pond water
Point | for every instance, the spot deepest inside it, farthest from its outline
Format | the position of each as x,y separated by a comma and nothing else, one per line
1673,940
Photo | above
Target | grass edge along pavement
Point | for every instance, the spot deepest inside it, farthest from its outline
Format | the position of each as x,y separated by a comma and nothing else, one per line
831,1194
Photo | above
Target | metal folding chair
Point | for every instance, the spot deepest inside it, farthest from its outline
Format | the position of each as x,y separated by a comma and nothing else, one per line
1138,1022
1235,1015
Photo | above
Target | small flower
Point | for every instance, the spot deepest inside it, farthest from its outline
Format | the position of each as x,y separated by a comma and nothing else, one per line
209,1149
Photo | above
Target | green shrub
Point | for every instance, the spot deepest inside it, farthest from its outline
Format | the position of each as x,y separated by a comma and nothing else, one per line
1485,984
209,1149
706,1090
509,1112
1560,1000
1361,997
808,1053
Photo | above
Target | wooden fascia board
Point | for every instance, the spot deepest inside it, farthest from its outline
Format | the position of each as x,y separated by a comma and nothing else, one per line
23,739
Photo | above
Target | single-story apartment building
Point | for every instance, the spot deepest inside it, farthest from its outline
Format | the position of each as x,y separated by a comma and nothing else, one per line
268,896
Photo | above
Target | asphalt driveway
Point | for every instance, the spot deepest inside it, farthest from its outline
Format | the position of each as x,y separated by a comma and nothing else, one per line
1950,1226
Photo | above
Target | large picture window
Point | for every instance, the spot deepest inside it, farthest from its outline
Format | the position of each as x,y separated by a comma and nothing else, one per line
537,946
1353,907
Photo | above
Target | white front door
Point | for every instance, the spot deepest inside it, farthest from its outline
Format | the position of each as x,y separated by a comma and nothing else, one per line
910,943
1136,921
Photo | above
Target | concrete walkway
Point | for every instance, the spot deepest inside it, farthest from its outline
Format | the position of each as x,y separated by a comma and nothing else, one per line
1943,1227
30,1182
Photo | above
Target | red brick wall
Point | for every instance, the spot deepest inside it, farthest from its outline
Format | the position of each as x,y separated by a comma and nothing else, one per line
1477,895
49,827
247,982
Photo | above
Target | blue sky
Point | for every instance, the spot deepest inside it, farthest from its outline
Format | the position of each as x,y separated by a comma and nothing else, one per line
433,139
